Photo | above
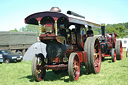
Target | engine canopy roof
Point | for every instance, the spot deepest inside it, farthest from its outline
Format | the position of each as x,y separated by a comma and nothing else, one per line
36,17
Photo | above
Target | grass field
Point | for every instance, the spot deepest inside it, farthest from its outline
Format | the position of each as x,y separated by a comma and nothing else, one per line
110,74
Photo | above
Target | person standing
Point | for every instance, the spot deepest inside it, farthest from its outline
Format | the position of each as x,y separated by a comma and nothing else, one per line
89,32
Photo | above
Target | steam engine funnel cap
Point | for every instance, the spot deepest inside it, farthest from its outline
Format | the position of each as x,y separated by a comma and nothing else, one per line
55,9
102,24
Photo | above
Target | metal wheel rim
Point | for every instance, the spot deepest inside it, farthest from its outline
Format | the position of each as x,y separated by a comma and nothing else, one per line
114,55
121,51
73,67
76,68
38,70
97,57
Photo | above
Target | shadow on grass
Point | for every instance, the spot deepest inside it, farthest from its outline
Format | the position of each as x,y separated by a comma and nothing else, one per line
125,66
28,77
109,59
50,76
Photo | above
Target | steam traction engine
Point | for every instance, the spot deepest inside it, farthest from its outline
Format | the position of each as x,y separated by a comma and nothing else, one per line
110,46
67,49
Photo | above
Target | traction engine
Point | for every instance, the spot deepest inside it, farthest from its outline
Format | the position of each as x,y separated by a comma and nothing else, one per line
110,46
67,49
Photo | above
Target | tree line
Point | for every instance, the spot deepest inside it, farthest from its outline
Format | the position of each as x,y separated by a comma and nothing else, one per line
121,29
28,28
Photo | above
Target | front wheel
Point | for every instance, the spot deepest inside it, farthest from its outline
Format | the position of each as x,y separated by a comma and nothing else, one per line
38,70
73,67
113,55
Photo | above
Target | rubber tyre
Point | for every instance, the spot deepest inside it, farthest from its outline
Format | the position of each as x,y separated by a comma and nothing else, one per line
73,67
92,47
95,56
38,74
113,55
119,50
87,49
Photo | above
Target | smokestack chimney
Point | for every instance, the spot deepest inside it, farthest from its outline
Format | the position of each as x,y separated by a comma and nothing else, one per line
103,29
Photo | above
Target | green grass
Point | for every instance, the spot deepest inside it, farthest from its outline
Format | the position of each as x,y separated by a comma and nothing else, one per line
110,74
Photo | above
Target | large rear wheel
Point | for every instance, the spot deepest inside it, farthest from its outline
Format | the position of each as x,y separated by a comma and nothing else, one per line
73,67
38,70
92,47
86,48
119,50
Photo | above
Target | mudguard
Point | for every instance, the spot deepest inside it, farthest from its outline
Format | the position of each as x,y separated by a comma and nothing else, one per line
35,48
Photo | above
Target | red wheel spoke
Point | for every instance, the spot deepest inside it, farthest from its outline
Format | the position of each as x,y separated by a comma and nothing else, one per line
96,45
96,55
38,67
96,63
40,79
38,71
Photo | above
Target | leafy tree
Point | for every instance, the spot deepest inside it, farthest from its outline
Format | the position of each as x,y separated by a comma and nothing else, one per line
30,28
126,25
96,31
116,28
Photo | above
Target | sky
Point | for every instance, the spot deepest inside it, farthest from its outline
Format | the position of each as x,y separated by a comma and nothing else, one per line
13,12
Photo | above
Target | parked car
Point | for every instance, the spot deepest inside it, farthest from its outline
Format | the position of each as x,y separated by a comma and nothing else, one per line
1,58
9,57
